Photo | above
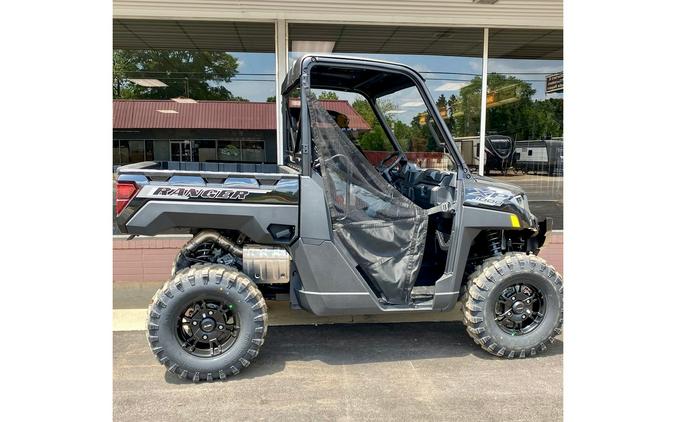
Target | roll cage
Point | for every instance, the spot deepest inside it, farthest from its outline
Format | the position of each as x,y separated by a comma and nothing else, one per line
370,78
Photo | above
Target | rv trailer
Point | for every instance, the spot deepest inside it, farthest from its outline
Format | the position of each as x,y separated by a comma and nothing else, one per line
498,152
541,155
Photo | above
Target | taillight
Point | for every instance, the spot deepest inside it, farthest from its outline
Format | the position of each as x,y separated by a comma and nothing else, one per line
123,194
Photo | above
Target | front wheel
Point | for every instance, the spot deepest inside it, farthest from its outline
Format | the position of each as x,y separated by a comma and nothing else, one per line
207,322
513,305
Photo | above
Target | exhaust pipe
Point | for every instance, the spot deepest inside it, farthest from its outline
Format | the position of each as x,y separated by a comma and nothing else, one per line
263,264
214,236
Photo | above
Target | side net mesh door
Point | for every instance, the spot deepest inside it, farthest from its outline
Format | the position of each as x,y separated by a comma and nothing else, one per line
383,230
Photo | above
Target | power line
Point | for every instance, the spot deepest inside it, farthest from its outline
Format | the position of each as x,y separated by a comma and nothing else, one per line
478,74
161,72
467,80
217,79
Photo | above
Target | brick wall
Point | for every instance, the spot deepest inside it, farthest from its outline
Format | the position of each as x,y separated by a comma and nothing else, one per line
553,250
146,259
150,259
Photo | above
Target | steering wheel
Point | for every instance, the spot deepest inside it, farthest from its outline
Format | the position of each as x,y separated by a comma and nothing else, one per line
385,170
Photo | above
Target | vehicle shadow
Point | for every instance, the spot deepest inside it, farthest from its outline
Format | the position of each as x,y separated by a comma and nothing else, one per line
349,344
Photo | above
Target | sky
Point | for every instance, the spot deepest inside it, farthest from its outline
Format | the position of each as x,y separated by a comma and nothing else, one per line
256,76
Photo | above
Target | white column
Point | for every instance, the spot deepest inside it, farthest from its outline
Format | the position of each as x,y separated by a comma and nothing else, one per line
483,102
281,53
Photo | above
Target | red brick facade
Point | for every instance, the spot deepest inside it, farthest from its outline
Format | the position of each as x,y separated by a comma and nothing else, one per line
150,259
553,250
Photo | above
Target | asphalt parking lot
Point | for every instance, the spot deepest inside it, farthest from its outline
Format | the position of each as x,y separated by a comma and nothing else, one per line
345,372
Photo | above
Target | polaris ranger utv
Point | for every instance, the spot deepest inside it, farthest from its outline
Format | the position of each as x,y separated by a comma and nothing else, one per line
337,235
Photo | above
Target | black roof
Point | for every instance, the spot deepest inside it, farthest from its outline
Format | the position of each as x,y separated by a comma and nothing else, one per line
374,78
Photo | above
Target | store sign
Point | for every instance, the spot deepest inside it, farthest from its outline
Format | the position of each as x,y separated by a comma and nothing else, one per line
554,83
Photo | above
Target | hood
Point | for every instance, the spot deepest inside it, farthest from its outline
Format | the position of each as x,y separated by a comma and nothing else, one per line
485,192
482,186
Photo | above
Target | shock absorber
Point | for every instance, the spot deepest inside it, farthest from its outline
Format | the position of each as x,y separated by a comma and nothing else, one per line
203,252
494,242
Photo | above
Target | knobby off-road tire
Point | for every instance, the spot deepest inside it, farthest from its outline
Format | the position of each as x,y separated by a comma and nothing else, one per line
485,288
195,283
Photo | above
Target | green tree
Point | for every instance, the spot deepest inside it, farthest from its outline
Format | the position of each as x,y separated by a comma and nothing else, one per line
511,110
272,99
453,103
403,134
195,74
441,103
375,139
362,107
328,95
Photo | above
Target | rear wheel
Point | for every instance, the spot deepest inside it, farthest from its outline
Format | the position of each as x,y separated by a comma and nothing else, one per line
207,322
513,305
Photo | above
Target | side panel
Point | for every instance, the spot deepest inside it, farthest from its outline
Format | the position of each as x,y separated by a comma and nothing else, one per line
329,285
314,218
471,221
249,203
251,219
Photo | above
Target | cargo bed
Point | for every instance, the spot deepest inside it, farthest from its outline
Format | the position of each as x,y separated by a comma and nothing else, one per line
165,195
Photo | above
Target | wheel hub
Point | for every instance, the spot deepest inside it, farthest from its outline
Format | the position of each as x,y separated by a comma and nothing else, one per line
519,309
207,328
208,324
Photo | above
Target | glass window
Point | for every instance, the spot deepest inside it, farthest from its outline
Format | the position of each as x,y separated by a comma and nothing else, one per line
205,151
524,126
124,152
174,80
253,151
161,150
450,60
136,151
116,152
181,150
291,110
149,156
229,151
356,118
405,114
416,129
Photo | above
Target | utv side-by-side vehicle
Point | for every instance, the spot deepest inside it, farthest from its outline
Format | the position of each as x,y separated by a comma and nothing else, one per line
337,235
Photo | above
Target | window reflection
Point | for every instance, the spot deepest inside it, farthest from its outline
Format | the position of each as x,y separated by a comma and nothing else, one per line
525,112
176,92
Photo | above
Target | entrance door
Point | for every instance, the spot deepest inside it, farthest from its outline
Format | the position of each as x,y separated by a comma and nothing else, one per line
181,151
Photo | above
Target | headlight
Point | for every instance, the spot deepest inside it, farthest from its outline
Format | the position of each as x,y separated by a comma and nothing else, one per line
520,201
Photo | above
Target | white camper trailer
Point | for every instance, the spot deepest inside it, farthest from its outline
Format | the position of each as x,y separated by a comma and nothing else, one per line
539,156
498,152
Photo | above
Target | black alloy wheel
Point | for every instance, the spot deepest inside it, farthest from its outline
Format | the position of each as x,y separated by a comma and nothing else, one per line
519,309
207,327
513,305
207,322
